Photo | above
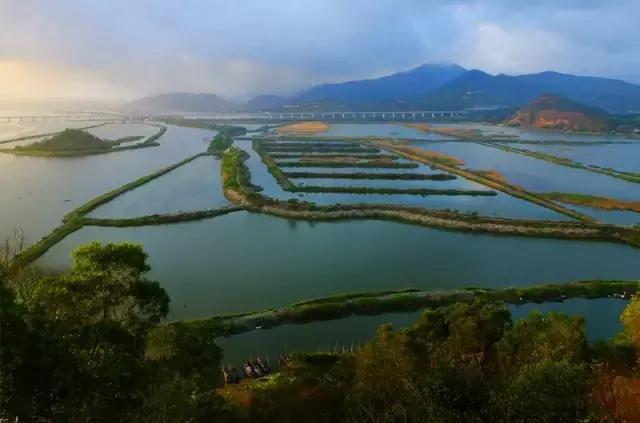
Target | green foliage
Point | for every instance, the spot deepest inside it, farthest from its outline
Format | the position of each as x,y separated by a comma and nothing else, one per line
70,140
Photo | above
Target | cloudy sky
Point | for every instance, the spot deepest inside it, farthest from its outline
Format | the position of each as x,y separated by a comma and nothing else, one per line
120,49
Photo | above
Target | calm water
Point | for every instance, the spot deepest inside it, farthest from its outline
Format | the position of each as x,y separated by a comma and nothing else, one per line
17,129
391,130
194,186
623,157
499,205
537,175
534,134
602,322
115,131
244,261
38,191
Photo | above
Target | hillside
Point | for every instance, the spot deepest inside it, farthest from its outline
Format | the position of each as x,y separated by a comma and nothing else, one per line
70,140
182,102
555,112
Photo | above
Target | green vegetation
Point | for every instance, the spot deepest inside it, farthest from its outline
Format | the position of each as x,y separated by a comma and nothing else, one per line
367,164
28,137
86,345
370,303
468,362
89,345
105,198
224,138
158,219
76,142
331,156
563,161
382,176
594,201
74,220
390,191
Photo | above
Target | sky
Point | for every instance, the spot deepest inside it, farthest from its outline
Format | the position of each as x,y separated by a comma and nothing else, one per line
123,49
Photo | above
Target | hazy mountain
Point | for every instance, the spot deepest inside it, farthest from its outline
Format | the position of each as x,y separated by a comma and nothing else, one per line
265,102
479,89
414,82
182,102
551,111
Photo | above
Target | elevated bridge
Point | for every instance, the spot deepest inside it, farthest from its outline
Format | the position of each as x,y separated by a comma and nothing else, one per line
338,115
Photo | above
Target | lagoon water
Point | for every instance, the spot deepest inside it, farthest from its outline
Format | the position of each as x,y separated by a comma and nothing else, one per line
244,261
499,205
38,191
601,315
534,174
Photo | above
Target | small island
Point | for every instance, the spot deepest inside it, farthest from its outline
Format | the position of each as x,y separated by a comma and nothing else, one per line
77,142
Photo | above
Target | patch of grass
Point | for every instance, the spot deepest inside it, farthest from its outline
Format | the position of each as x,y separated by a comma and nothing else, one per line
382,176
604,203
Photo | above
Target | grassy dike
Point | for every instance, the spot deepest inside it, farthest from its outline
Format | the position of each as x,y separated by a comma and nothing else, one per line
380,176
563,161
238,190
412,154
287,185
407,300
76,219
158,219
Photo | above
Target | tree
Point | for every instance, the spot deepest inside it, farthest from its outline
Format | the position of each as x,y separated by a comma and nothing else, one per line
545,391
631,320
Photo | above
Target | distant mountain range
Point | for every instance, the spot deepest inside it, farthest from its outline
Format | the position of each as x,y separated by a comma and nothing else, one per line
430,86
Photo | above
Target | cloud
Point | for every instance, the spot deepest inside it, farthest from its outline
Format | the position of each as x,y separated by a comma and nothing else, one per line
242,47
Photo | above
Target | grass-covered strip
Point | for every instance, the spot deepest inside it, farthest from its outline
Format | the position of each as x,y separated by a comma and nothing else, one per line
272,166
369,164
481,179
563,161
390,191
158,219
38,249
369,303
604,203
105,198
28,137
239,191
383,176
331,156
328,144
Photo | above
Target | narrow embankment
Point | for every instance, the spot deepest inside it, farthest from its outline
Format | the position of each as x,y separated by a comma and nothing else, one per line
159,219
414,153
236,179
566,162
74,220
371,303
28,137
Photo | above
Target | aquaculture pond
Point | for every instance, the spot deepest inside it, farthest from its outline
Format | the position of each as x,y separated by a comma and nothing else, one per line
531,134
38,191
534,174
24,128
601,315
499,205
114,131
244,261
194,186
622,157
387,130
